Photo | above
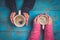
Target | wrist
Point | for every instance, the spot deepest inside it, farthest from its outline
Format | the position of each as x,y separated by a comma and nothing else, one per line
36,24
13,12
49,25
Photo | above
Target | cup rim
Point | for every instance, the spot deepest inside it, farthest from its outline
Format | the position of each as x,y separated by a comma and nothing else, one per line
19,25
45,17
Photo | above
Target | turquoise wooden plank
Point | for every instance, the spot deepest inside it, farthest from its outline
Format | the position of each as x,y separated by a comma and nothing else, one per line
11,32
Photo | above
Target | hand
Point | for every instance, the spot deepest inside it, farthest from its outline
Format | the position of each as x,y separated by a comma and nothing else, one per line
26,17
12,17
49,20
36,20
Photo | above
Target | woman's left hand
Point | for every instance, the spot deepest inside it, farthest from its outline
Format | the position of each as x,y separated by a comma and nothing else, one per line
26,17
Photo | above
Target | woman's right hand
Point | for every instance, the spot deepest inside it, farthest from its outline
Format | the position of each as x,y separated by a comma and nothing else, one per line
36,20
49,20
12,17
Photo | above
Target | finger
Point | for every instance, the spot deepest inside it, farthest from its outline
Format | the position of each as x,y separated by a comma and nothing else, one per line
26,22
13,14
46,14
50,18
26,15
11,19
35,19
40,15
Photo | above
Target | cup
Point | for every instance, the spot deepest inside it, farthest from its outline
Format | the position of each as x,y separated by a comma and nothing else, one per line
19,20
43,20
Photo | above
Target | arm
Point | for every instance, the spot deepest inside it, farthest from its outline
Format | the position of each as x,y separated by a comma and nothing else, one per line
11,5
48,35
35,34
27,5
48,32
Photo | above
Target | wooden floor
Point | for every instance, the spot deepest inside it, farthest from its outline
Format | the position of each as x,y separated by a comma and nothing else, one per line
11,32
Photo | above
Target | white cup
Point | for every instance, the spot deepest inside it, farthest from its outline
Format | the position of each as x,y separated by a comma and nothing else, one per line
19,20
43,21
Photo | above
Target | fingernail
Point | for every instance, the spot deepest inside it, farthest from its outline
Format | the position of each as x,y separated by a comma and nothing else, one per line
26,24
44,13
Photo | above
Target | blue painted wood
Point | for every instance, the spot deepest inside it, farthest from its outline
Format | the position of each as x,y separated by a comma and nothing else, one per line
11,32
